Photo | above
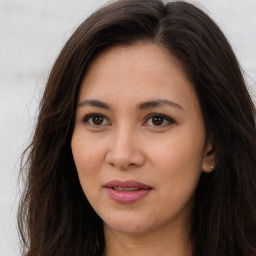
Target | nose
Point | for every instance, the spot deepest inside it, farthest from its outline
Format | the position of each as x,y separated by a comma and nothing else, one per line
124,152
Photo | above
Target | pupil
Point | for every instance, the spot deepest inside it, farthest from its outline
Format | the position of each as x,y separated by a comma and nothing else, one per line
157,121
98,120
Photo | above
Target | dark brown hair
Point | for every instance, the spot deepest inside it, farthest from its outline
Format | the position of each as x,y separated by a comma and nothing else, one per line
55,217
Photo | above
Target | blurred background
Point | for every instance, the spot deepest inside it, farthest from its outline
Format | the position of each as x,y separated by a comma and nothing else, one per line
31,36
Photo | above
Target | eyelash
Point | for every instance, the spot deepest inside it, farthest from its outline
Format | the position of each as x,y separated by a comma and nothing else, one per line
165,118
88,117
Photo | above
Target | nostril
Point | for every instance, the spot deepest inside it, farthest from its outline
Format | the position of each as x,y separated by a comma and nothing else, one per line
125,159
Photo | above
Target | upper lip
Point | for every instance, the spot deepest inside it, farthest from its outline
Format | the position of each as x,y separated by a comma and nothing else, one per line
126,184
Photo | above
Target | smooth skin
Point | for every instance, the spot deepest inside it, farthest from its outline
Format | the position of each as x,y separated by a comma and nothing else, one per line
138,118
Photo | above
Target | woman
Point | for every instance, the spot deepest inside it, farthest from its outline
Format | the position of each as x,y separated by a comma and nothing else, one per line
145,141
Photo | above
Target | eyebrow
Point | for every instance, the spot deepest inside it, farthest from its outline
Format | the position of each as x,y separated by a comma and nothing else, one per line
157,103
141,106
95,103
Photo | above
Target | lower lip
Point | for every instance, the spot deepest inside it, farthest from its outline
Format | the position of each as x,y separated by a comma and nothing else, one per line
127,197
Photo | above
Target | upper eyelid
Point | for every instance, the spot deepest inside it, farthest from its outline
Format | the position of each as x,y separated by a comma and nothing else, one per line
166,117
88,116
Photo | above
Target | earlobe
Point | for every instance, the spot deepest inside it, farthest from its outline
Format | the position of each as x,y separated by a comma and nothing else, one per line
209,161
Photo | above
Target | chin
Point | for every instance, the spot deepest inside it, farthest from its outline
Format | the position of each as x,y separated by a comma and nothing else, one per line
127,224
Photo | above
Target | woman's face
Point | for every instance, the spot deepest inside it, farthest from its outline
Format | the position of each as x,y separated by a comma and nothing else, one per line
139,141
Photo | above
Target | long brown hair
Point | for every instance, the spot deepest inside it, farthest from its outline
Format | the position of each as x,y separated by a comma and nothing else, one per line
55,217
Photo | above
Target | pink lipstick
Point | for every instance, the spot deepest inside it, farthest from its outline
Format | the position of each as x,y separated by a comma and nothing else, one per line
126,192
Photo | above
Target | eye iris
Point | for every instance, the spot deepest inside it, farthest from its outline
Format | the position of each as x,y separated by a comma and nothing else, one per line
97,120
157,120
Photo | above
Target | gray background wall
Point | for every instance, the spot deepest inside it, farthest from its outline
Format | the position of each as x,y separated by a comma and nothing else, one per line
31,34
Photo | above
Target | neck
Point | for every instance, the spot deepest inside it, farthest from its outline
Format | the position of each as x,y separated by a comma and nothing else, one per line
160,243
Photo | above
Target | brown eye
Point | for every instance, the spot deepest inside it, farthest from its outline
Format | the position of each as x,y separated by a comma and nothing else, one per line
97,120
157,120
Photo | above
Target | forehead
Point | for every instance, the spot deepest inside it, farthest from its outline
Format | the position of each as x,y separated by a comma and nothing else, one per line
136,73
141,59
137,53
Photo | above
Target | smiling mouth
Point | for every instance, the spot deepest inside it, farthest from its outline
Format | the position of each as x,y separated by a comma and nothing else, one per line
126,192
125,189
127,186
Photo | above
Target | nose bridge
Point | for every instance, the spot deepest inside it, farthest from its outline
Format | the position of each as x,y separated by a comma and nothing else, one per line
123,137
124,150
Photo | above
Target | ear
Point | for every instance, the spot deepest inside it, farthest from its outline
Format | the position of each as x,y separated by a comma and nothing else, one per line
209,160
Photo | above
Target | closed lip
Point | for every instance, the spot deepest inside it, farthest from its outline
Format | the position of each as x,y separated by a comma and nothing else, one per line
126,184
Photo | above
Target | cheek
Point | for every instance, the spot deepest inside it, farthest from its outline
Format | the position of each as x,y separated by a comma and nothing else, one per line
177,154
177,176
88,159
87,156
179,164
